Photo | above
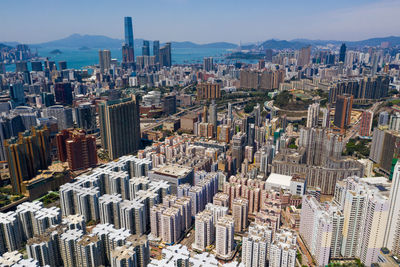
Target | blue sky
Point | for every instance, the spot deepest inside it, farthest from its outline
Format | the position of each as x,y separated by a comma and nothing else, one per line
201,21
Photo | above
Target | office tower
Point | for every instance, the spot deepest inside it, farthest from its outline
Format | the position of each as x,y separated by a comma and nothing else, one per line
312,115
62,65
104,60
255,245
238,144
261,64
133,216
21,66
165,55
62,114
47,99
224,231
283,249
204,234
146,48
304,56
208,91
123,256
36,66
230,111
77,148
89,251
128,31
343,109
268,55
366,123
2,68
17,93
63,93
156,51
342,53
169,104
26,155
128,52
68,247
208,64
383,118
10,232
240,213
85,117
120,126
392,235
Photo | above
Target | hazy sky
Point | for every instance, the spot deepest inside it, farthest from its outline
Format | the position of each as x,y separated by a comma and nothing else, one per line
201,21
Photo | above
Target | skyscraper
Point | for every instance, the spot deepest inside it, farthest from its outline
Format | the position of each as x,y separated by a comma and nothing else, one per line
304,56
104,60
128,51
342,53
240,213
208,64
156,50
128,31
165,55
146,48
63,93
224,231
213,116
204,234
366,123
120,126
312,115
77,148
26,155
392,234
343,109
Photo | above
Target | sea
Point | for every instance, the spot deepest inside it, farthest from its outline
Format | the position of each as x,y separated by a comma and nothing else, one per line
79,59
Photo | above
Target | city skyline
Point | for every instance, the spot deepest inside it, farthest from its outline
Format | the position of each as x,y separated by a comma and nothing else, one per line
338,20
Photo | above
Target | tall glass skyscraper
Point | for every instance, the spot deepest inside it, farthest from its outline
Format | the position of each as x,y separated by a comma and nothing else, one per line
128,31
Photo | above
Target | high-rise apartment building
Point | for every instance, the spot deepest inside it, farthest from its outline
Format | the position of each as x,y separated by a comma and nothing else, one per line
283,249
343,109
392,234
256,245
208,64
26,155
238,144
312,115
208,91
224,244
120,126
77,148
205,230
304,56
366,123
240,213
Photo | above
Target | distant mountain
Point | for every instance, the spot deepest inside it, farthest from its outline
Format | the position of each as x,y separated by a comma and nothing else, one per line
222,45
78,40
282,44
99,41
3,45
